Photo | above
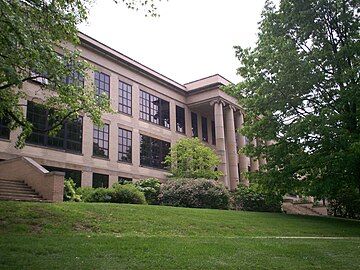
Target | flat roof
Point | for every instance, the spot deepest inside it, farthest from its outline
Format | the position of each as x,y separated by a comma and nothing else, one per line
200,83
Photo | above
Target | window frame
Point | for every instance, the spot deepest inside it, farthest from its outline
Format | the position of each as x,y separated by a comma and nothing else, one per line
125,96
101,83
63,139
155,154
124,138
100,175
104,138
180,120
148,109
194,125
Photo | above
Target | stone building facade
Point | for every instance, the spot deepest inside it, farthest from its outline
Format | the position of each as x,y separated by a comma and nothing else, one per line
152,113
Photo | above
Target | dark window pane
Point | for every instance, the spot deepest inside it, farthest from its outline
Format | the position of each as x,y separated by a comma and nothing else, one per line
73,174
213,136
124,180
100,180
125,145
154,109
101,141
153,151
102,82
204,129
194,125
125,97
69,137
180,119
4,130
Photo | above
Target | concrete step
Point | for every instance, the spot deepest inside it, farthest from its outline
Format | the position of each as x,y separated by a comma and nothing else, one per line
15,198
12,184
20,188
25,190
30,195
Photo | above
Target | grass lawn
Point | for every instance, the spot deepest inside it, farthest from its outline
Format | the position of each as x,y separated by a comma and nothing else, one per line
115,236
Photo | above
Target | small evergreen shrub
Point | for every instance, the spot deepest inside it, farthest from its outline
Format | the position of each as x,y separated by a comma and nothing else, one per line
127,193
196,193
248,199
70,192
151,189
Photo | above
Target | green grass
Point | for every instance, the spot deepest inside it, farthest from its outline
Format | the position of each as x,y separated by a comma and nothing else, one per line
110,236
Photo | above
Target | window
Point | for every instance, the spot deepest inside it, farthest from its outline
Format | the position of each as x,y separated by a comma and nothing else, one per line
75,78
125,145
101,141
153,152
124,180
180,119
213,136
194,125
4,130
154,109
73,174
102,83
100,180
125,98
204,129
68,138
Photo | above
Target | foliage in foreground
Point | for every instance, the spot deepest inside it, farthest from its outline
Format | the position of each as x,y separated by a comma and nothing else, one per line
151,189
127,193
190,158
70,191
34,46
248,199
197,193
302,78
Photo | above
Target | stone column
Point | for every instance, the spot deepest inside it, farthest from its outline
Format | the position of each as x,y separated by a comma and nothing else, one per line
243,162
220,139
231,147
254,162
262,159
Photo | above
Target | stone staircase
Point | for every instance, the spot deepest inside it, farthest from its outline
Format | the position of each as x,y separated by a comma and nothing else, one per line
11,190
294,207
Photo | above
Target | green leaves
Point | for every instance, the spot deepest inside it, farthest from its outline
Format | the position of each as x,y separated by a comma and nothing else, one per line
189,158
300,89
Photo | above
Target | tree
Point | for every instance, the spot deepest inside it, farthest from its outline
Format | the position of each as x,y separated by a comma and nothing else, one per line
189,158
38,41
300,89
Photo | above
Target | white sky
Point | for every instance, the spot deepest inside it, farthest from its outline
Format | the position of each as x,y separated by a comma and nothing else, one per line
190,40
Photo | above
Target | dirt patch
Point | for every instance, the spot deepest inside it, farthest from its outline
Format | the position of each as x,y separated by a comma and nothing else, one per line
85,227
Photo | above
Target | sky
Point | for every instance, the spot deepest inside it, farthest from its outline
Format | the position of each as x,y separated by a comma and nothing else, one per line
190,40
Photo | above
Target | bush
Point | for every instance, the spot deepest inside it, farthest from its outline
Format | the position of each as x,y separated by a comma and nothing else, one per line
346,204
69,191
248,199
127,193
190,158
102,195
197,193
85,193
151,189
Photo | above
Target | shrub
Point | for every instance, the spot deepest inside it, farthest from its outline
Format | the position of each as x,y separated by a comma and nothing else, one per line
151,189
248,199
102,195
127,193
346,204
85,193
197,193
69,191
190,158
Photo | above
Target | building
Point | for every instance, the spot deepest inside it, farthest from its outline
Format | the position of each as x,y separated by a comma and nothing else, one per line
153,112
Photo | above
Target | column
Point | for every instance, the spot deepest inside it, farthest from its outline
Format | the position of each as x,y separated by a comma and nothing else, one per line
243,162
220,139
231,147
262,159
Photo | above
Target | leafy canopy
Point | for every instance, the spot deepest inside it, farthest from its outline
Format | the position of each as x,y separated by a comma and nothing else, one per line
300,89
190,158
38,41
